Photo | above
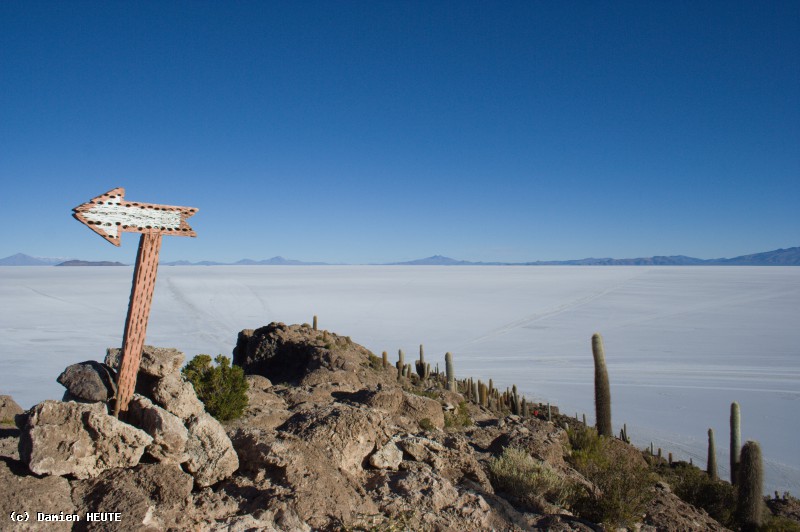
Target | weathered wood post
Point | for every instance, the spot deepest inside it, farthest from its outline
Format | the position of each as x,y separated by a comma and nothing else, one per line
109,215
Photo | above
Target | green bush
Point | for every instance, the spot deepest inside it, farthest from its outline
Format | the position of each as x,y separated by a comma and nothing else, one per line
459,418
221,388
530,481
623,484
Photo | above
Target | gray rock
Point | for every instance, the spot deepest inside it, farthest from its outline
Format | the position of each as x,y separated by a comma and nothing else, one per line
78,439
177,396
168,432
387,457
211,456
89,381
149,497
9,409
20,491
156,361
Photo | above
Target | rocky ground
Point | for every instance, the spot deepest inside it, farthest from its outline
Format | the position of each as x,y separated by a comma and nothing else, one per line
332,439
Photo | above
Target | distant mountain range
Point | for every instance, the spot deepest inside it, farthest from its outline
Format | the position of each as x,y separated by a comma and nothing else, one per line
778,257
89,263
274,261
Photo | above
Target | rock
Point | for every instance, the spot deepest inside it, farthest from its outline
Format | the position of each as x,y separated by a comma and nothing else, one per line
387,457
9,409
20,492
78,439
176,395
156,361
168,432
150,497
290,353
89,381
669,513
211,456
348,433
418,448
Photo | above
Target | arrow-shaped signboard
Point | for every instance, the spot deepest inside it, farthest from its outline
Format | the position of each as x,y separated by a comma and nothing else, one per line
109,215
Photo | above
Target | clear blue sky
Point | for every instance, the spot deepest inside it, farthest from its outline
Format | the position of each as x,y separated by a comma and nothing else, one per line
381,131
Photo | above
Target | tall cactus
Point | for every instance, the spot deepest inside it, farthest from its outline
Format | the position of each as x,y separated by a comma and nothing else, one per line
750,489
736,440
515,405
602,390
315,322
711,462
451,374
401,363
385,357
423,369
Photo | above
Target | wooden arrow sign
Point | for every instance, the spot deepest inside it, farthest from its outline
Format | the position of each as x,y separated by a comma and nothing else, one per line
109,215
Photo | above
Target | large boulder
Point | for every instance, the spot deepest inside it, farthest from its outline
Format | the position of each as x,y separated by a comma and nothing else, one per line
78,439
210,453
156,361
289,353
168,432
89,381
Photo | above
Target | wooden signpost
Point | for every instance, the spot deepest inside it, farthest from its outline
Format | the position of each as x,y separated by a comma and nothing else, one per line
109,215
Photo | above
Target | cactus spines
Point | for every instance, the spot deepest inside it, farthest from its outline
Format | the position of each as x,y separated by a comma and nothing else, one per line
315,322
711,462
750,487
602,390
385,357
736,440
451,374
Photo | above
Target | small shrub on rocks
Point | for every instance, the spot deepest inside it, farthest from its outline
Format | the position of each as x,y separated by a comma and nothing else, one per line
530,481
221,388
623,486
459,418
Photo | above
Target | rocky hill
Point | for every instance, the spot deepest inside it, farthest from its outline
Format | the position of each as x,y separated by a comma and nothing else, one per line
334,438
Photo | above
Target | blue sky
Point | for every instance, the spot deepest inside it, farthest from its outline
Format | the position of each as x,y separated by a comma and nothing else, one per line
384,131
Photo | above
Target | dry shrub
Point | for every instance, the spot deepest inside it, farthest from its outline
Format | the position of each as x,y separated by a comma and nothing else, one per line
528,480
622,481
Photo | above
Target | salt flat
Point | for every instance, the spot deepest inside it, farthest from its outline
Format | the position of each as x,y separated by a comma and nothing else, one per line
681,342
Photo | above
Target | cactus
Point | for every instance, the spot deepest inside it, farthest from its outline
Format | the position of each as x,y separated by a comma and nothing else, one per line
385,357
549,413
401,363
602,390
483,395
711,463
315,323
750,503
451,375
736,440
669,458
421,364
476,394
515,406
